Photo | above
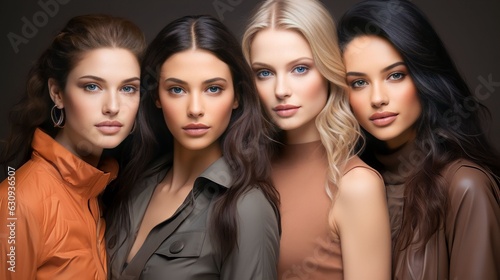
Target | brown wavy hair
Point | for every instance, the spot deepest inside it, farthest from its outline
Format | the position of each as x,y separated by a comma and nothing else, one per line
81,34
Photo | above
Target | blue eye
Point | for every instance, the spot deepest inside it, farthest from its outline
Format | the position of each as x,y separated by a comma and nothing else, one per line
358,84
396,76
264,74
91,87
300,69
176,90
129,89
214,89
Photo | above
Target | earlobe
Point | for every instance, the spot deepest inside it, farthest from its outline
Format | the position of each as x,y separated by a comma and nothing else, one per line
55,93
158,104
235,104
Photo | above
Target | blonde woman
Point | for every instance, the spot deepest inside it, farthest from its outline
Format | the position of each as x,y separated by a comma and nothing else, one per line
335,222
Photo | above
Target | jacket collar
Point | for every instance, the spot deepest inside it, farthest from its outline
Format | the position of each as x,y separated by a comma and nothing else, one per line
82,177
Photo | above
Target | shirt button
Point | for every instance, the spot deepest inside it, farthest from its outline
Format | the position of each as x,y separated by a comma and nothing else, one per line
176,247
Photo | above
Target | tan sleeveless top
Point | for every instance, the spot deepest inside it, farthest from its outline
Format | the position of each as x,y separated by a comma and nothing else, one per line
308,248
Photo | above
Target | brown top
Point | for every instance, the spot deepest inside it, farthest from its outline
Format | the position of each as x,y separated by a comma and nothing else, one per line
309,249
468,245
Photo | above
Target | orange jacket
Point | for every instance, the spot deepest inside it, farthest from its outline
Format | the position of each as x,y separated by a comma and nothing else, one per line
50,224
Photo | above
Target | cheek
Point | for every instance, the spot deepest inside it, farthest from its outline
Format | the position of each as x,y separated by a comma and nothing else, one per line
171,109
130,105
80,109
416,108
265,93
223,110
170,114
357,106
314,87
409,99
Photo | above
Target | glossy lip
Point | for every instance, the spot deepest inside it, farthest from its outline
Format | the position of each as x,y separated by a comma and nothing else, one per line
286,110
383,118
196,129
109,127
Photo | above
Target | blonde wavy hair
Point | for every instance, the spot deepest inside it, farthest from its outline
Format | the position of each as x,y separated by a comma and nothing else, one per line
339,131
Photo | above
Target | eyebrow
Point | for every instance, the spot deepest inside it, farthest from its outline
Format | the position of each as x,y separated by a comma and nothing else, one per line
102,80
392,66
178,81
260,64
359,74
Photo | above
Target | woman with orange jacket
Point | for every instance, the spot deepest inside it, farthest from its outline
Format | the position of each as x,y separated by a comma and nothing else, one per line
82,98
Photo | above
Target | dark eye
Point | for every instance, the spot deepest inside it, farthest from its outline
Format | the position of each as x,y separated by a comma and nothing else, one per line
300,69
264,74
214,89
91,87
358,84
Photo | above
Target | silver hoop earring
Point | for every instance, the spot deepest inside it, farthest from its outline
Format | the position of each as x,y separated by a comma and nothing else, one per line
57,121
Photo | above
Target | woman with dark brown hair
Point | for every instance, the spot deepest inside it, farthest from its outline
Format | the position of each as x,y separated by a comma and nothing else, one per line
196,201
82,97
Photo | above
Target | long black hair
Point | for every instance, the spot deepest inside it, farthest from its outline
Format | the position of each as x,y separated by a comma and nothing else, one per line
245,144
449,127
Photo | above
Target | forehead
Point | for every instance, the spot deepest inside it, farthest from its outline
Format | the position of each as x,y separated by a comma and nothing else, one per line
106,62
194,62
364,51
279,44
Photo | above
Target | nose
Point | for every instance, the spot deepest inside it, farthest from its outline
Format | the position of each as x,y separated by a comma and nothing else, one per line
111,104
378,96
282,89
195,107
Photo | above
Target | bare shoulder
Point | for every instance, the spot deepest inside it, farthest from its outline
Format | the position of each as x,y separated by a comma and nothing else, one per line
355,163
360,179
360,200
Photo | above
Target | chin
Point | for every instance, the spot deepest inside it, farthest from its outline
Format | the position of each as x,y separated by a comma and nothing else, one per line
110,144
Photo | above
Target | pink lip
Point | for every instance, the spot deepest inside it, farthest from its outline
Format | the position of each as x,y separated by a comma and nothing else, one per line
383,118
196,129
109,127
286,110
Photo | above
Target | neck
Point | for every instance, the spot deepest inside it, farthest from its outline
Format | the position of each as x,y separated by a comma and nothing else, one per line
301,136
84,150
188,165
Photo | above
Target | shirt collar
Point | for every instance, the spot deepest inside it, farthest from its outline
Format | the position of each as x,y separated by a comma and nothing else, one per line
219,172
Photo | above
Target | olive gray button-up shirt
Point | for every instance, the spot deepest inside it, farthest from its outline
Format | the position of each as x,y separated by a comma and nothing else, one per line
188,252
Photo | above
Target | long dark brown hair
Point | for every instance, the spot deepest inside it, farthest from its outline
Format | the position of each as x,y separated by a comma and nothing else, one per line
244,143
81,34
443,135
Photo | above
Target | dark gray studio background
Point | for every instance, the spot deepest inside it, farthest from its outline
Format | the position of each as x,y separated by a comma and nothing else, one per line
470,30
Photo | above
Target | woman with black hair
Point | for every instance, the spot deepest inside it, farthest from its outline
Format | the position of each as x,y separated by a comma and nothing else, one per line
196,200
423,134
